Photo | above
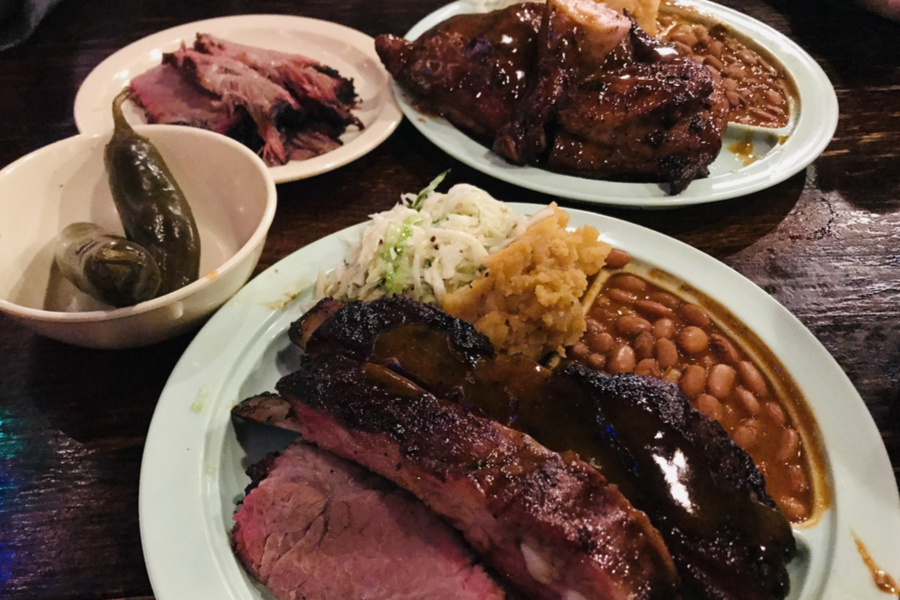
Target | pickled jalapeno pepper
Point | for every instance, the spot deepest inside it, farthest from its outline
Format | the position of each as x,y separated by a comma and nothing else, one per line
108,267
153,209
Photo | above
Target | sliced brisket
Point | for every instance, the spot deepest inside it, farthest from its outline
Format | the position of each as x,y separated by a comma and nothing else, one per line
316,526
320,90
284,106
239,85
171,99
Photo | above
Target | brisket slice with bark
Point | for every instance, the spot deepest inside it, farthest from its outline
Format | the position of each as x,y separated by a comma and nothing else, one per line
284,106
320,90
550,524
317,526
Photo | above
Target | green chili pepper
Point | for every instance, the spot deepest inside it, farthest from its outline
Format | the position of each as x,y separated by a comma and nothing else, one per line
152,207
105,266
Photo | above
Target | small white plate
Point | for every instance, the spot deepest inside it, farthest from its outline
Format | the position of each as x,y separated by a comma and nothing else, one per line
350,52
815,120
193,467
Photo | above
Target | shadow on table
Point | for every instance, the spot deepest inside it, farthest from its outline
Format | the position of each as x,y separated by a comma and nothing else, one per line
114,393
856,43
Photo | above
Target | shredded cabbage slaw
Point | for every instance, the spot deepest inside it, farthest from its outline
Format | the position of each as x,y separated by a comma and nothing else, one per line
426,246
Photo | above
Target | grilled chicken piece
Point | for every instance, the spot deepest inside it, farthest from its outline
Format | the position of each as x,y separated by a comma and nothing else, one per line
574,40
571,86
471,68
550,524
649,114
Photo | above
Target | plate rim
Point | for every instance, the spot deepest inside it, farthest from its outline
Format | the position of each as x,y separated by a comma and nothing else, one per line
384,121
814,128
865,500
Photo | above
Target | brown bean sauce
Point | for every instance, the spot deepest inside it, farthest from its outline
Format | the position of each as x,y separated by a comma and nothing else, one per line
673,339
757,87
881,579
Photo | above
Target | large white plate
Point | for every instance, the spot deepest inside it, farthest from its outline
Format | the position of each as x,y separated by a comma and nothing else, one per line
815,120
349,51
193,474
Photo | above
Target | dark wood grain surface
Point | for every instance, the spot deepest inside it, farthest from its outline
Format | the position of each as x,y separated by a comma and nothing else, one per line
825,243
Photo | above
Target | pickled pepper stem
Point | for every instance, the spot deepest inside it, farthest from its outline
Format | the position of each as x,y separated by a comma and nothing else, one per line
118,116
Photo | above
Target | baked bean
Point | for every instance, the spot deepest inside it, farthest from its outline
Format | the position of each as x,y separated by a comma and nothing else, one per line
776,413
761,113
629,283
730,85
600,342
616,259
734,70
724,349
714,62
693,381
747,400
789,444
580,350
621,359
774,97
694,315
664,299
666,353
596,361
672,375
702,34
631,325
664,328
648,367
721,380
685,36
593,325
683,48
748,57
693,340
716,48
652,308
644,345
747,435
799,482
752,378
709,406
621,296
733,98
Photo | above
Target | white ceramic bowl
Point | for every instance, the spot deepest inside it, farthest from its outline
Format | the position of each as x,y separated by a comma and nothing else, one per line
233,199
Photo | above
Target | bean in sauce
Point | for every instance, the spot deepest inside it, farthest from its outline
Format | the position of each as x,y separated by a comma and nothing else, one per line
629,332
757,90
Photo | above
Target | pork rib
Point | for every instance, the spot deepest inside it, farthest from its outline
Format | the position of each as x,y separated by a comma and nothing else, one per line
550,524
726,537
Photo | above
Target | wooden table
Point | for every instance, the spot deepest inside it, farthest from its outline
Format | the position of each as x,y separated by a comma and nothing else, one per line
73,421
